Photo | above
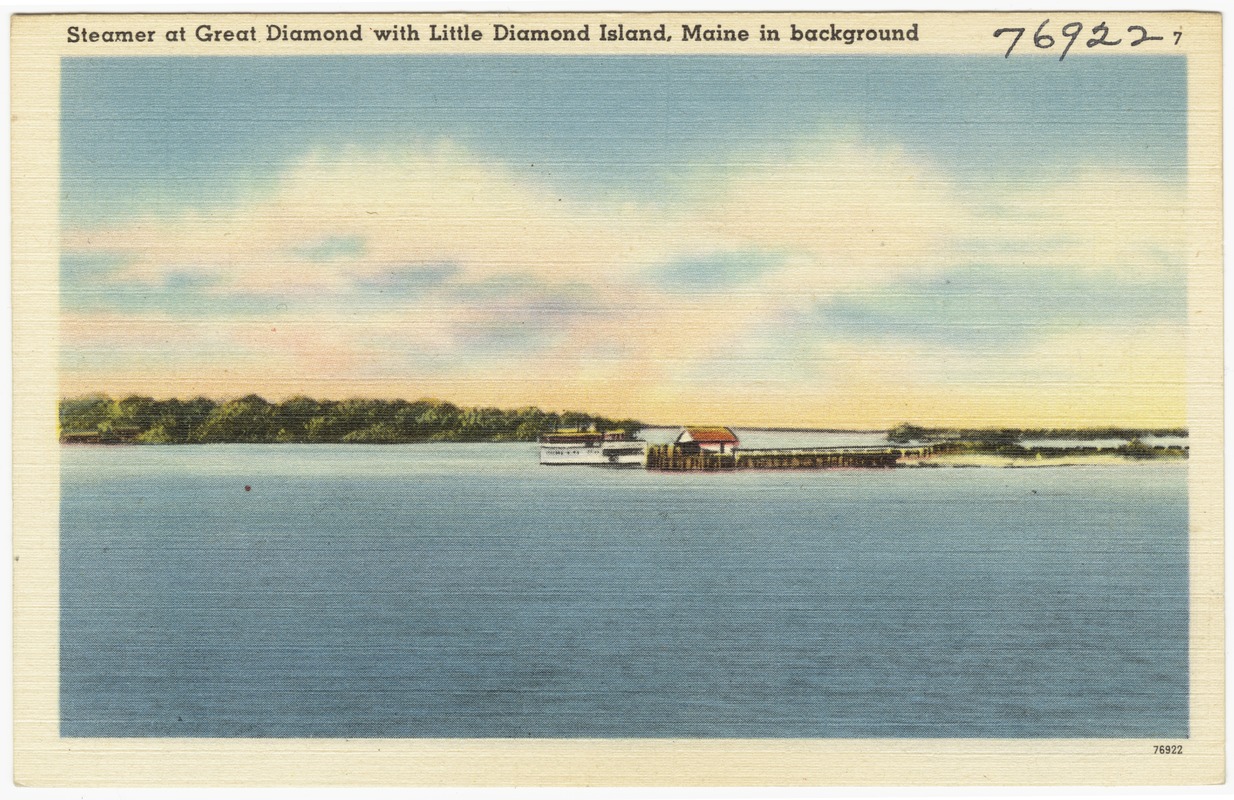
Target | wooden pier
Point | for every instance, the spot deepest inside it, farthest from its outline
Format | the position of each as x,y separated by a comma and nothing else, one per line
669,458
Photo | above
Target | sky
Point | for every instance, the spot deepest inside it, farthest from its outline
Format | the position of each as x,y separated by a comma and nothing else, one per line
824,241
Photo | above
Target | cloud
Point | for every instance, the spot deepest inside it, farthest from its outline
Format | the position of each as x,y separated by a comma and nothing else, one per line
402,280
331,248
838,281
984,307
1095,220
846,205
715,271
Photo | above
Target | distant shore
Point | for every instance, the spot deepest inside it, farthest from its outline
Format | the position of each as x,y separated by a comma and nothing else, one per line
137,420
99,419
960,460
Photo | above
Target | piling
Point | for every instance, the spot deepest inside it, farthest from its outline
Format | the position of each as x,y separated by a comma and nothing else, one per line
669,458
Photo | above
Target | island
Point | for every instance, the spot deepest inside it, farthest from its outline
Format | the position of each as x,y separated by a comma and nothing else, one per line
99,419
141,420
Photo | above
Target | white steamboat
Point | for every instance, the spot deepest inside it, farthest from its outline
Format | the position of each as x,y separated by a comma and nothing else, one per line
611,449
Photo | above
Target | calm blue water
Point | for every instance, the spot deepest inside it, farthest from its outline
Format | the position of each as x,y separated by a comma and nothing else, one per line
465,591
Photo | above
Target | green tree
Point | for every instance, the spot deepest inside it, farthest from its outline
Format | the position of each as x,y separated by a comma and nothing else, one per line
304,419
249,419
905,433
83,414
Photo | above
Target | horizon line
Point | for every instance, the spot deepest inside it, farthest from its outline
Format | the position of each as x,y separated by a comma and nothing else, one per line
761,427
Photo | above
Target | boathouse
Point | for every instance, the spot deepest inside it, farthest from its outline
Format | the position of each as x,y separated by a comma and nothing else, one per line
713,439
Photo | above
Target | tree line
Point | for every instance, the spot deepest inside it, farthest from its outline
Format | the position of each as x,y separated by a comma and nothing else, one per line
253,419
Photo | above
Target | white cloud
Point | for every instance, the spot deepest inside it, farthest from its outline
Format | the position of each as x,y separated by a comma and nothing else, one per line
563,287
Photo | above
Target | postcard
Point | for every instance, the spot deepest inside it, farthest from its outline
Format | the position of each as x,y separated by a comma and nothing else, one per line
617,399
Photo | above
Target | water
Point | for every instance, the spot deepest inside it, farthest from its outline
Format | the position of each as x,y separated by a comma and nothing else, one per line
1153,441
1074,443
465,591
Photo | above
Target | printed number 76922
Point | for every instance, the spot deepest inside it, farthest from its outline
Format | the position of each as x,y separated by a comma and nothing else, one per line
1167,749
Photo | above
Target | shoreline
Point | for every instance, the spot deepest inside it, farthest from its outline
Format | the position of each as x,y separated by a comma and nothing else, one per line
939,461
779,429
987,461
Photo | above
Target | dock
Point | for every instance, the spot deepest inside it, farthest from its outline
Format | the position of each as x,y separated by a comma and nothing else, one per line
673,458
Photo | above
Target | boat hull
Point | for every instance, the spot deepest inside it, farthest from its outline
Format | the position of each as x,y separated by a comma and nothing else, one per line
596,456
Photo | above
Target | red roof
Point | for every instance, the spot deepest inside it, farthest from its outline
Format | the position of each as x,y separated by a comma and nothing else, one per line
711,435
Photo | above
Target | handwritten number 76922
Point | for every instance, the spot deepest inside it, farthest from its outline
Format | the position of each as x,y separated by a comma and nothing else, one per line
1071,32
